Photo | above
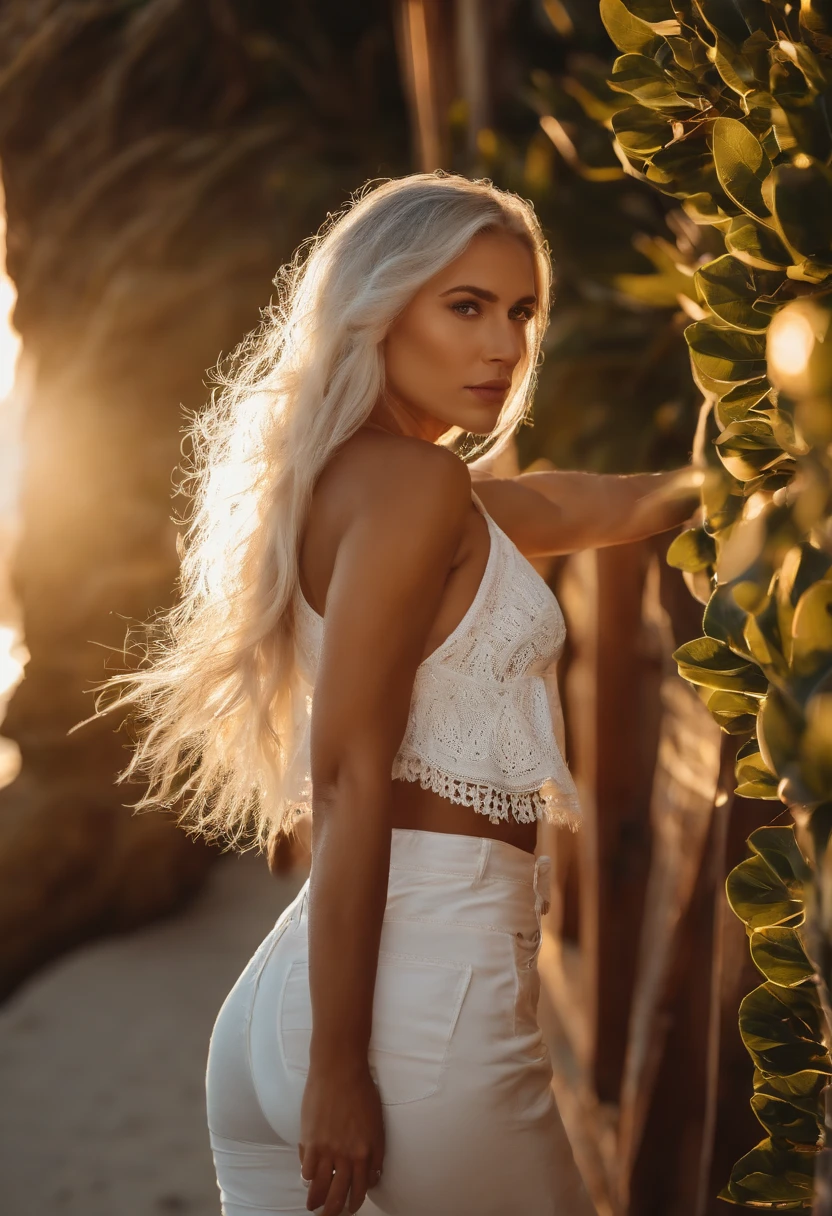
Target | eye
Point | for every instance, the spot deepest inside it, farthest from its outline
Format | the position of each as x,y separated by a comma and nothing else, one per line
523,313
465,304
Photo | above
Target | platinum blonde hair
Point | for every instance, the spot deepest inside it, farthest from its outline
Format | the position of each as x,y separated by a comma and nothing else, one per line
218,694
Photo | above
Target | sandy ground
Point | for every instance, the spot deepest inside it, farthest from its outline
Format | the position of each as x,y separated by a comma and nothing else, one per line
102,1062
102,1059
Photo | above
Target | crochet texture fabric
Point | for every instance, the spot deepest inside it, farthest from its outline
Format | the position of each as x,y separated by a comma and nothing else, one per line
485,726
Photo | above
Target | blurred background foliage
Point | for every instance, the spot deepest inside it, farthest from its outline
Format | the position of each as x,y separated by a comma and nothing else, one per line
615,393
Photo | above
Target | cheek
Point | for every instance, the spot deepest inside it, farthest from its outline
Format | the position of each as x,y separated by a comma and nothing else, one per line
431,348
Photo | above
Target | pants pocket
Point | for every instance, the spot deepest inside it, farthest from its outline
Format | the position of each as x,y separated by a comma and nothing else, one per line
416,1006
526,949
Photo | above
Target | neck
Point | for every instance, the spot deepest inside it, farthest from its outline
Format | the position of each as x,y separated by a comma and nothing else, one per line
396,418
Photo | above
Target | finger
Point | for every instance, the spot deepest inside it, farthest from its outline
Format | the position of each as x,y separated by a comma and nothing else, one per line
308,1161
360,1180
339,1187
321,1179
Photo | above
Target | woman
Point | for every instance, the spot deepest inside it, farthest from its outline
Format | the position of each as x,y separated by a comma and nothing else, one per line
383,1041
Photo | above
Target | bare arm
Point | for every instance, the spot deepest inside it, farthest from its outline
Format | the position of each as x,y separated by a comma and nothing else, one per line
561,511
386,586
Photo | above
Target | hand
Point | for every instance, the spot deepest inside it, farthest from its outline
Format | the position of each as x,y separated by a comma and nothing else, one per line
342,1137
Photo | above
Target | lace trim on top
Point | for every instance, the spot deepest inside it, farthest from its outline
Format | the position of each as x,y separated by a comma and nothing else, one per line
485,726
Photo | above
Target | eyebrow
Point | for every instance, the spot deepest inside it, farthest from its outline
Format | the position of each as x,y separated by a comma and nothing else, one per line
488,296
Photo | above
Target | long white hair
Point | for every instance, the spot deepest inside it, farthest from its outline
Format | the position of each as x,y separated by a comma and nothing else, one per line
217,693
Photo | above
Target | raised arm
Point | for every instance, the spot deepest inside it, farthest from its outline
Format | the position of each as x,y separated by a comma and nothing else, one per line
561,511
386,586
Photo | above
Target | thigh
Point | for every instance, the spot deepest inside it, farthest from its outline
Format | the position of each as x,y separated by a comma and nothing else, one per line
257,1168
258,1179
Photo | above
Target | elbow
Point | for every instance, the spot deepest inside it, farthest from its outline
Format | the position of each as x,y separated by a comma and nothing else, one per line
354,785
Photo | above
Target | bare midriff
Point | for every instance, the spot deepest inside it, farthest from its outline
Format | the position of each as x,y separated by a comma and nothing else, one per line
414,807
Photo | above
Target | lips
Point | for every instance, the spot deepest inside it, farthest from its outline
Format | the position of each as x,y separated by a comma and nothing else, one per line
490,390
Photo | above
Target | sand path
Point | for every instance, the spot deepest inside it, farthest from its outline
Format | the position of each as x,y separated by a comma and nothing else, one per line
102,1059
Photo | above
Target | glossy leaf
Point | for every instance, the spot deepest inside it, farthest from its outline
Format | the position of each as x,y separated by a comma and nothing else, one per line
726,355
754,779
803,208
692,550
755,244
782,1030
641,76
783,1121
729,288
640,131
741,165
812,627
735,404
724,619
778,848
778,953
628,32
758,896
710,663
734,712
772,1176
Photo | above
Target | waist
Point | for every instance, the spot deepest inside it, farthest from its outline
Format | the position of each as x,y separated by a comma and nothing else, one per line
415,808
474,881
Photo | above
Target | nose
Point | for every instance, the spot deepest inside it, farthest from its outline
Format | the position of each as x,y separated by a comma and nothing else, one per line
505,344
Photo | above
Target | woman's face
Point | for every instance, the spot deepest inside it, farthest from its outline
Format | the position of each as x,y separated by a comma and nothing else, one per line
452,354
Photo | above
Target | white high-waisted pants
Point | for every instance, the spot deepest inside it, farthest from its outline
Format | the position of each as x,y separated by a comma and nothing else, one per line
456,1052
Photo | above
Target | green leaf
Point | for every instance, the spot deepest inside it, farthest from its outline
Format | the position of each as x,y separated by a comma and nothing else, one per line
772,1176
741,165
703,208
748,447
778,952
802,200
653,11
812,628
779,727
640,131
711,664
816,23
724,620
629,33
803,565
779,850
735,404
782,1030
756,244
692,550
724,17
783,1121
686,168
753,778
803,1089
648,83
816,750
726,355
758,896
734,712
729,288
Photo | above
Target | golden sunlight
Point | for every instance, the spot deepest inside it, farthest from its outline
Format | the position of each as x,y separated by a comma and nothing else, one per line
12,651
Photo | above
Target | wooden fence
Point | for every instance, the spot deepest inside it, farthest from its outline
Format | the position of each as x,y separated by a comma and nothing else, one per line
643,964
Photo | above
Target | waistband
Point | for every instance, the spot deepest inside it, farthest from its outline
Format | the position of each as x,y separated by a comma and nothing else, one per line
479,858
478,881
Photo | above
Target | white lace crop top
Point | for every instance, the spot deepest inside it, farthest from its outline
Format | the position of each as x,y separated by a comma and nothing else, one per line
485,726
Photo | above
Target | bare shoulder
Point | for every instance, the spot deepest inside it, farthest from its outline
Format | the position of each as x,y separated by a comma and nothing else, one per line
398,477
